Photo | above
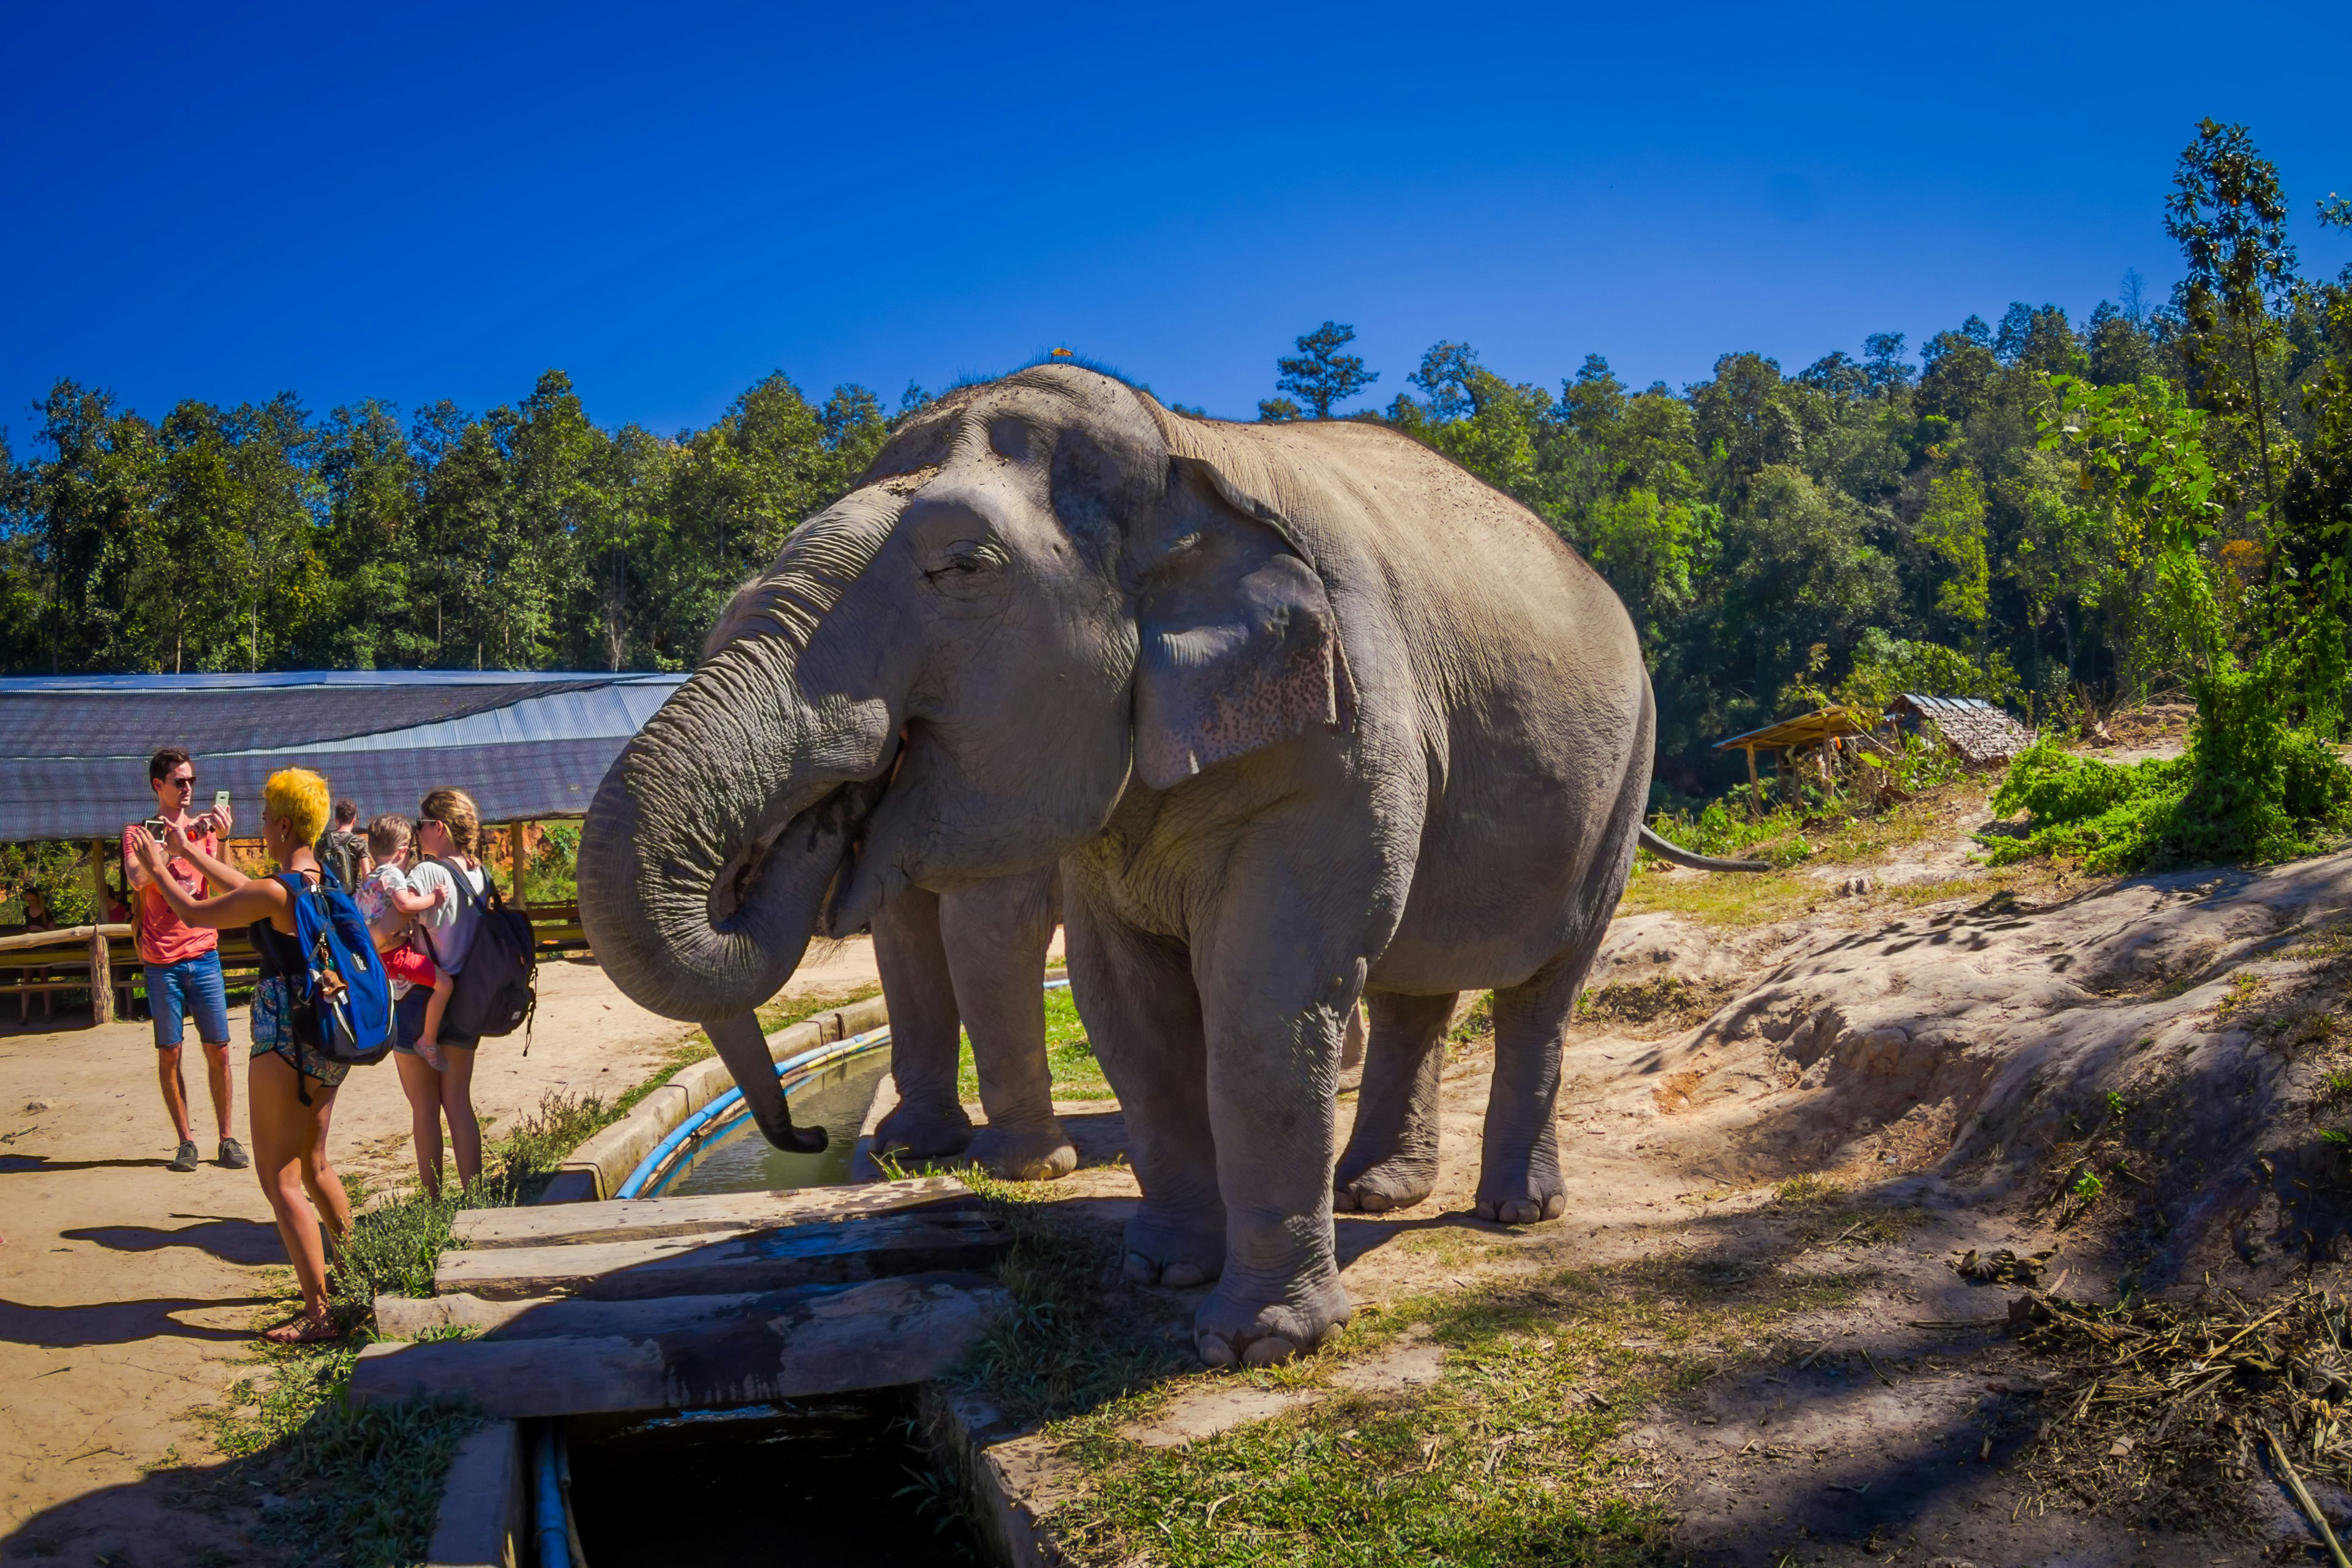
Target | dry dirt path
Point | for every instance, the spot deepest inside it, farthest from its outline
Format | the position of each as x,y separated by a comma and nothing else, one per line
128,1292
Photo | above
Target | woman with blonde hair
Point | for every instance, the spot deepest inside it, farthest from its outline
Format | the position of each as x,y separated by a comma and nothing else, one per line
448,835
290,1115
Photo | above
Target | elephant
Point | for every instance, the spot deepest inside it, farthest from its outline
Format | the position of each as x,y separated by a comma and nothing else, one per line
1304,711
971,958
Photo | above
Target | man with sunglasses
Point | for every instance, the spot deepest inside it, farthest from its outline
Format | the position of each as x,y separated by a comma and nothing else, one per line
182,961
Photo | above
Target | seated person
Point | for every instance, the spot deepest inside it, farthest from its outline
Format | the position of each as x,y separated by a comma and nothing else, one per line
391,907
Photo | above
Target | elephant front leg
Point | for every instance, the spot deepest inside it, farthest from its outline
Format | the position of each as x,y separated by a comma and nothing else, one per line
744,1048
1275,1015
996,933
929,1121
1392,1157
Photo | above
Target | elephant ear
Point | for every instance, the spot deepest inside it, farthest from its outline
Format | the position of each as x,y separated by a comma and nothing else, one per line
1240,647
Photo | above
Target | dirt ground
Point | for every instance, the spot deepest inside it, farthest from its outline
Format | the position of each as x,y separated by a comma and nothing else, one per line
128,1292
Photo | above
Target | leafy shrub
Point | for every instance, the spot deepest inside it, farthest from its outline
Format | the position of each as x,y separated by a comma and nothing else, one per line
2251,788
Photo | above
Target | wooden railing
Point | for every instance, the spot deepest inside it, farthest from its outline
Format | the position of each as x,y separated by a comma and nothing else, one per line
103,960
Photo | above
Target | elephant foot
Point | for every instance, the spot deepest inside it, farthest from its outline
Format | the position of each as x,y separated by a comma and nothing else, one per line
924,1132
1249,1324
1525,1201
1043,1155
1174,1249
1397,1182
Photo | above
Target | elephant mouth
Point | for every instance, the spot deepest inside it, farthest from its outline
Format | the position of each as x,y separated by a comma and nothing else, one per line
817,846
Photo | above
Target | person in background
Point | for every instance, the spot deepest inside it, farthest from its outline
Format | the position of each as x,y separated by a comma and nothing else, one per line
449,832
181,961
390,907
36,917
343,849
291,1090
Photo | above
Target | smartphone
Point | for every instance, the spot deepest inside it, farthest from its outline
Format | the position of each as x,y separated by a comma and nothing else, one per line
154,826
220,801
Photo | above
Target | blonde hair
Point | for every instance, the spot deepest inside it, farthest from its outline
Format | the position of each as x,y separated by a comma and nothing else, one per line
300,796
455,810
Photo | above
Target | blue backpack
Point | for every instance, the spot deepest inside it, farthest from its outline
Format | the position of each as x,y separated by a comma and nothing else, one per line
342,1013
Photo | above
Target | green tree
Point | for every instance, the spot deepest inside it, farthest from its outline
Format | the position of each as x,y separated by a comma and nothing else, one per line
2228,213
1319,376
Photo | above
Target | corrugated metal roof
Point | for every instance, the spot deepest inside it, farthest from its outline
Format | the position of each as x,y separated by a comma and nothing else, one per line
74,749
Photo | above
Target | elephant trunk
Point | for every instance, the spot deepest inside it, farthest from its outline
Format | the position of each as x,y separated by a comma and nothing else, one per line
711,844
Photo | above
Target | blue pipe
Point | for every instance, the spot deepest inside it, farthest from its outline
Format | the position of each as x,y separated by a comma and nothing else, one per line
547,1515
801,1064
695,1125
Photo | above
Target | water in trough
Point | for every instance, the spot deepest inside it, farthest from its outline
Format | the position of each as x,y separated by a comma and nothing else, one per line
740,1160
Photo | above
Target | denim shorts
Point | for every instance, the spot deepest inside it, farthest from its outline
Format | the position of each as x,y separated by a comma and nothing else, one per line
191,985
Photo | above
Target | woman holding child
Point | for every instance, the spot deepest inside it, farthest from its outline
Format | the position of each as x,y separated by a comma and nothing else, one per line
448,840
290,1091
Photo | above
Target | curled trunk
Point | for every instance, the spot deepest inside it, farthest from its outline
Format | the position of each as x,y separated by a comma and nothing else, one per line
709,851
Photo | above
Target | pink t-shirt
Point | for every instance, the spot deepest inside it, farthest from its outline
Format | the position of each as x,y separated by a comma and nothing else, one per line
164,936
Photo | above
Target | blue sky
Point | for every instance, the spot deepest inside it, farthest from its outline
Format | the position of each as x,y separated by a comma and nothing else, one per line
222,202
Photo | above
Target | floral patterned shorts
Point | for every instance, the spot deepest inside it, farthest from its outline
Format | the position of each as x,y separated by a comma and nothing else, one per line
273,1031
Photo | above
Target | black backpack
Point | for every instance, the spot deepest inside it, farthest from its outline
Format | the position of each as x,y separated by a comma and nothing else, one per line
493,994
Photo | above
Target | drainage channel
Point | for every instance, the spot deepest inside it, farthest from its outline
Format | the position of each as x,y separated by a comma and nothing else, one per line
710,1365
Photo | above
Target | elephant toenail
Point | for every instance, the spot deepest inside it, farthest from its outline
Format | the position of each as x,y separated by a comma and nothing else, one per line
1179,1274
1555,1205
1270,1351
1375,1202
1140,1270
1343,1201
1215,1352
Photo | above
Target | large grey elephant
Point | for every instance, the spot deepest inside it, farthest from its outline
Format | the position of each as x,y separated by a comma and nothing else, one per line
1304,710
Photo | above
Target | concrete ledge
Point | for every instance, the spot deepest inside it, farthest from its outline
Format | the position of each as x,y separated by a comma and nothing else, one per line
598,1167
485,1518
1014,1478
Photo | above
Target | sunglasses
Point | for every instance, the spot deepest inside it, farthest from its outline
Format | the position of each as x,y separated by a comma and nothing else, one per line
188,782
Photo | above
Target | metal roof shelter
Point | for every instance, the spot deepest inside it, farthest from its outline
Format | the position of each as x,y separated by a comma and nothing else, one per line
530,746
1980,732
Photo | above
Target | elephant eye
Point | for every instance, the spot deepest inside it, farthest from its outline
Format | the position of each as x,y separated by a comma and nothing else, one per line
963,566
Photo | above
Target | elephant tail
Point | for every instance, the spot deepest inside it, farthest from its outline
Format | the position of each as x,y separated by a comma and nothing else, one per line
1682,856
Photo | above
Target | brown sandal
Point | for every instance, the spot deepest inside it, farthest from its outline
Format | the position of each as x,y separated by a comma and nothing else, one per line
305,1329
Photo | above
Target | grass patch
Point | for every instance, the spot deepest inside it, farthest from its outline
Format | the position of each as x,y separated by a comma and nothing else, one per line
1068,1053
1078,1338
339,1484
1511,1458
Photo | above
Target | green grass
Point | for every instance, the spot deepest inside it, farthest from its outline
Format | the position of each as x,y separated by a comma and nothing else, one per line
1077,1074
1509,1459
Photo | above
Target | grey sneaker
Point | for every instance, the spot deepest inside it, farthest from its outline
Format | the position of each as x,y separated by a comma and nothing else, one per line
233,1155
185,1160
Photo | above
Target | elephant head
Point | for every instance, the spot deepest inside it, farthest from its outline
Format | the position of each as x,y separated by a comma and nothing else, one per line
1041,587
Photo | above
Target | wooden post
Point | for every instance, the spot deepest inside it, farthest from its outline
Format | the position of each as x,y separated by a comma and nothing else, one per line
522,858
101,964
1755,786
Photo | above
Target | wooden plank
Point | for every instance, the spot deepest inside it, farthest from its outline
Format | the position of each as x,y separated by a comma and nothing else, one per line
70,939
785,1345
711,1214
521,850
568,1317
819,1254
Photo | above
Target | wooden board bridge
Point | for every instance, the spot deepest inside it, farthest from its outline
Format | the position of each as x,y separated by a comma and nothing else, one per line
688,1302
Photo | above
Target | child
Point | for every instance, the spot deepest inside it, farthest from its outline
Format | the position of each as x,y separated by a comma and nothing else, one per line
391,908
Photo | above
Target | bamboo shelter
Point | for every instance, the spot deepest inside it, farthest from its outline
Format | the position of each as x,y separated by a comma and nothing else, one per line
529,747
1787,738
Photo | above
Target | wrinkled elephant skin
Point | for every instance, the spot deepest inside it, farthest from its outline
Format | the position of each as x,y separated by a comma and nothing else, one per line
1302,711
